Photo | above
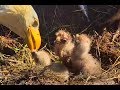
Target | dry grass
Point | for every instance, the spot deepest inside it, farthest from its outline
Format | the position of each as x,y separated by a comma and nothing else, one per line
20,68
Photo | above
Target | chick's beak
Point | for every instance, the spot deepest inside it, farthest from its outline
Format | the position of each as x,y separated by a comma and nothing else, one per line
33,39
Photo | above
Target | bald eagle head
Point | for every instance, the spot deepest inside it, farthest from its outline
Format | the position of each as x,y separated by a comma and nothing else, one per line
22,20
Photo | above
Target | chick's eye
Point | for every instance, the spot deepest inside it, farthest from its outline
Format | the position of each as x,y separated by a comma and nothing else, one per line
35,23
63,41
76,43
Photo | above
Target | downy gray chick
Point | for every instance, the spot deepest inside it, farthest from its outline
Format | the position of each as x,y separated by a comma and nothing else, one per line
81,60
64,46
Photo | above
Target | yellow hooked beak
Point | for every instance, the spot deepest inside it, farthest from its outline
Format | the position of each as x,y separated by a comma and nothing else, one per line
33,39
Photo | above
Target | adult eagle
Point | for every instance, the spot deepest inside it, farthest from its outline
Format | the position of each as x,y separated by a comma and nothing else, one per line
22,20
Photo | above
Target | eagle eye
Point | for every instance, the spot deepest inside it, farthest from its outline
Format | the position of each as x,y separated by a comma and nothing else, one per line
35,23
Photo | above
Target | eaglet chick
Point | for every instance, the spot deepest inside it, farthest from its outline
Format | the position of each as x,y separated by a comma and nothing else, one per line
42,57
81,60
52,72
63,46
